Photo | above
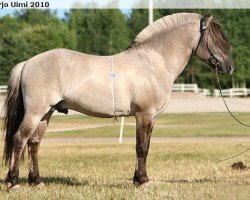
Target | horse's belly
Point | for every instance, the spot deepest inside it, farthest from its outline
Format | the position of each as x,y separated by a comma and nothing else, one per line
99,103
98,111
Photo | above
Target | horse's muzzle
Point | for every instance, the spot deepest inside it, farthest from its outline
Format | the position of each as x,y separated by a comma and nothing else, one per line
230,69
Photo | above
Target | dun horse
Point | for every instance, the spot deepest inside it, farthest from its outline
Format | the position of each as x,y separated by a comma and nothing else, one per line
136,82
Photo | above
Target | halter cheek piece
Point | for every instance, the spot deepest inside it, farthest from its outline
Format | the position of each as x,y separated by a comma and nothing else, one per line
212,60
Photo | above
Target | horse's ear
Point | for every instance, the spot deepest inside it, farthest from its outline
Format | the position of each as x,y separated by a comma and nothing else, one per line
208,20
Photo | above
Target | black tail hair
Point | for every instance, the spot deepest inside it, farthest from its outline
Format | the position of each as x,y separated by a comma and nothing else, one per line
13,115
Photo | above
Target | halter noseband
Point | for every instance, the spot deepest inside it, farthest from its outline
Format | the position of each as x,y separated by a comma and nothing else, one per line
212,60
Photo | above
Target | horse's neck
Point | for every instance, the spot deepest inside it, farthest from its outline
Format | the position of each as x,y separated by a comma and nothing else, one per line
174,48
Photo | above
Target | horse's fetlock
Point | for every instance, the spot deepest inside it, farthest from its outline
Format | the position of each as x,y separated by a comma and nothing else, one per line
12,177
140,177
34,178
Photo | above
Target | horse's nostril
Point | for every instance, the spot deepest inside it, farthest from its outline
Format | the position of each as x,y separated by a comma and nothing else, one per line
230,68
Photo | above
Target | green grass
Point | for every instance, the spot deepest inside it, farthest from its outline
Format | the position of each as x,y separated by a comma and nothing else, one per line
180,170
171,125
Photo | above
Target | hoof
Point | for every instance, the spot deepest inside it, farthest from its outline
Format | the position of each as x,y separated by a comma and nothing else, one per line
14,188
139,180
38,185
35,181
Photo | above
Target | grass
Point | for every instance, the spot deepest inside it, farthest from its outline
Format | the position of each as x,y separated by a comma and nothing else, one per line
178,170
170,125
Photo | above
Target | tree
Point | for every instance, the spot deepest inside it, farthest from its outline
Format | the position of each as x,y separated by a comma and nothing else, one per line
106,32
100,32
138,20
35,16
24,36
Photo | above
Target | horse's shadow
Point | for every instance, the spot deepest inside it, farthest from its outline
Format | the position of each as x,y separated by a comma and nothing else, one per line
69,181
197,180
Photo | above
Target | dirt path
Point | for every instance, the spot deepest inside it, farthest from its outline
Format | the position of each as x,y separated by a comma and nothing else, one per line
154,139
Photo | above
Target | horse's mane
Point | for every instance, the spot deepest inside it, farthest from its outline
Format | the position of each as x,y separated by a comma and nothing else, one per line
171,21
215,31
163,24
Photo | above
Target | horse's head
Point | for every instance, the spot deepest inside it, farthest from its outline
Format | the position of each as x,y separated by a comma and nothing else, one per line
213,47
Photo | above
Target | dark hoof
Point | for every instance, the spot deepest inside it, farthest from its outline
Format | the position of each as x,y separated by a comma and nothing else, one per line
11,182
139,180
39,185
35,181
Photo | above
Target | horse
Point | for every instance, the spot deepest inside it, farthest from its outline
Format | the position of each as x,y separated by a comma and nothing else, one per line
136,82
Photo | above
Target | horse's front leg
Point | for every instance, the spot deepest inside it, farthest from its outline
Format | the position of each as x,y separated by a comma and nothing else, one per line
144,127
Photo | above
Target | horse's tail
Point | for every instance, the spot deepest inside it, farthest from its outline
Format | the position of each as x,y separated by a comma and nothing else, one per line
13,110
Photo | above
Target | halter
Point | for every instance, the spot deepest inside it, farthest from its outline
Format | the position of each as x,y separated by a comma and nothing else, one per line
212,60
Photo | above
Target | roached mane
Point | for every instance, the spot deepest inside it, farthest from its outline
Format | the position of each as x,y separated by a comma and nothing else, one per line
169,22
163,24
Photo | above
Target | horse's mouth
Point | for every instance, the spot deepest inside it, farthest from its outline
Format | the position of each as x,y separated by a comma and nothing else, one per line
218,68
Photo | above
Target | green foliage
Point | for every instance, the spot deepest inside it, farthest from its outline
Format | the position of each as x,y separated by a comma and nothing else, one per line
105,32
28,33
100,32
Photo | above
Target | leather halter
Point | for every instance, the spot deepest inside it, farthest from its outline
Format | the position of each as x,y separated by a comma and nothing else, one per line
202,31
212,60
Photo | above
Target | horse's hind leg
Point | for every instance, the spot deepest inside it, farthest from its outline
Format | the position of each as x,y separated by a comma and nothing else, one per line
144,127
33,146
24,132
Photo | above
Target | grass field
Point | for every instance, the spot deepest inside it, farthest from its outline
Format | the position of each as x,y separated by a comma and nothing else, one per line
177,169
171,125
104,171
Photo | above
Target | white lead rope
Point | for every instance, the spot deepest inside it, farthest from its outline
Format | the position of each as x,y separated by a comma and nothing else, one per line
112,75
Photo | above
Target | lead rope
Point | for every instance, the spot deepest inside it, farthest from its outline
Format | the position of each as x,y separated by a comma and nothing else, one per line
112,75
218,82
